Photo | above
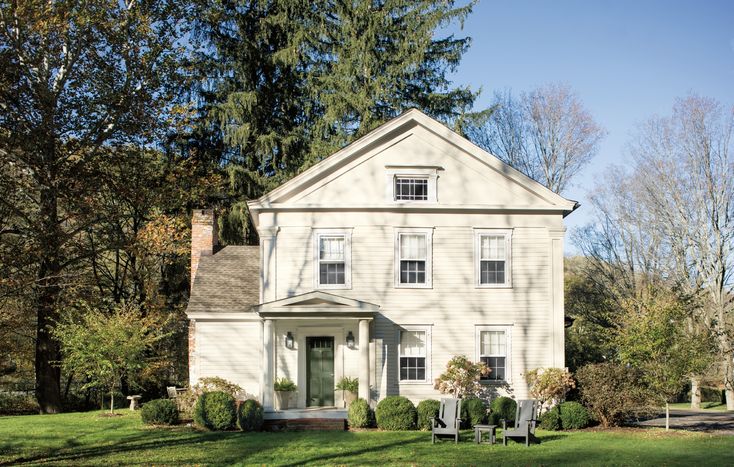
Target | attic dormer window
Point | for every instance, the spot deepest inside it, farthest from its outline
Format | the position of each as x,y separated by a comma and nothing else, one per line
411,184
411,188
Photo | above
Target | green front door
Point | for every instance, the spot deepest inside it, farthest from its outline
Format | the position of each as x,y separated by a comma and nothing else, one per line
320,371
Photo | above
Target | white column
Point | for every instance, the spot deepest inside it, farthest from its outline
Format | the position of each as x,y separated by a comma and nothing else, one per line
558,309
364,359
268,367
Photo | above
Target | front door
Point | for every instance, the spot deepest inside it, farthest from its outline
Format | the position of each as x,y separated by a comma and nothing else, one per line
320,371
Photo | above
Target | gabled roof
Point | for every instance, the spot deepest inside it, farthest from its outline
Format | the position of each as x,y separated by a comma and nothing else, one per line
317,304
227,282
390,132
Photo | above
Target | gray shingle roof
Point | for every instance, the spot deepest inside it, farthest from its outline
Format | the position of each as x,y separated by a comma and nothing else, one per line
228,281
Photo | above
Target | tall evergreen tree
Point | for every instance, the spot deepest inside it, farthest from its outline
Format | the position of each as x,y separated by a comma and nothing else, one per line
287,82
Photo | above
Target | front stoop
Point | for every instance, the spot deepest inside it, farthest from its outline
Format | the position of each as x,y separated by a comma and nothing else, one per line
309,419
306,424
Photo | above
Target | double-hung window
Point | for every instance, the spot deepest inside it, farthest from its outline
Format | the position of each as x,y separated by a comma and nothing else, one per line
332,259
414,350
493,348
413,258
493,250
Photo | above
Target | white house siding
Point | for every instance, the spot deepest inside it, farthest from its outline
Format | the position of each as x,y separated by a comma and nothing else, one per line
231,350
453,306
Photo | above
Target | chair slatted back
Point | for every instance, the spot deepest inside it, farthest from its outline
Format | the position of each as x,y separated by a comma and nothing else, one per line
449,411
526,411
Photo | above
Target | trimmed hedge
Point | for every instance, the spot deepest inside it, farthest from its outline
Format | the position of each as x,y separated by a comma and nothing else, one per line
574,416
427,409
360,414
473,412
250,415
551,420
502,408
159,412
395,413
216,411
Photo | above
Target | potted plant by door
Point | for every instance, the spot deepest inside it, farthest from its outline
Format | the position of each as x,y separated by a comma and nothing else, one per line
284,388
349,388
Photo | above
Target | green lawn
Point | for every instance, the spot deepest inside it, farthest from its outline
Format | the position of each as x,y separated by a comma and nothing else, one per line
715,406
88,439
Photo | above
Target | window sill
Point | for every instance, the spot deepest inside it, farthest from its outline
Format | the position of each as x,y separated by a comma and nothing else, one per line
413,286
493,286
413,383
494,382
333,287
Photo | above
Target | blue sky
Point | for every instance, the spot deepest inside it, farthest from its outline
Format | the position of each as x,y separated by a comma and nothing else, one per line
627,61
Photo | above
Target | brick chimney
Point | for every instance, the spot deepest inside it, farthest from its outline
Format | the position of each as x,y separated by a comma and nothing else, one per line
204,237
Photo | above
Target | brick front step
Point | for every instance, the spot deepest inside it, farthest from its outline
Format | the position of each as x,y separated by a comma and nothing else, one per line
306,424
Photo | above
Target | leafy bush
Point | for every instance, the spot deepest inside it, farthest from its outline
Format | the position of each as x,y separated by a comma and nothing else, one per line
395,413
159,412
348,384
360,414
250,415
473,412
215,410
187,399
461,377
574,416
426,410
284,384
712,395
17,403
612,392
502,408
551,420
550,385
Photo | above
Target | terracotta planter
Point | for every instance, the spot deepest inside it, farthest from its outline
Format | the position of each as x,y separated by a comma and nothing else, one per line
349,397
283,400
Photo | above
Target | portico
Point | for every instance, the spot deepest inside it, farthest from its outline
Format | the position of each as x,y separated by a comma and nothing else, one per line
315,339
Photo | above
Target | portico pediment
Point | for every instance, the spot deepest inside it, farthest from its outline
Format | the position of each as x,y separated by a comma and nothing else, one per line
316,304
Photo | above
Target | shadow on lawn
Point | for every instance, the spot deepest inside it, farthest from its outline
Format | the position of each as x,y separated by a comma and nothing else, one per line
133,443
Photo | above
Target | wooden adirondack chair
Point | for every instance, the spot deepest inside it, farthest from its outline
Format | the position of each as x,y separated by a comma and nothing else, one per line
526,418
448,421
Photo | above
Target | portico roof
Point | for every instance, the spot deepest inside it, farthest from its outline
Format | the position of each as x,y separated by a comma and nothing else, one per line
316,304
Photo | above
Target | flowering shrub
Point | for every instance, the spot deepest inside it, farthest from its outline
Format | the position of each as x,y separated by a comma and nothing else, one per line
461,377
550,385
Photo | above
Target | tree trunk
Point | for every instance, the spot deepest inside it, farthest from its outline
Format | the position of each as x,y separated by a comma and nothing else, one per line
729,393
48,352
112,400
667,416
695,393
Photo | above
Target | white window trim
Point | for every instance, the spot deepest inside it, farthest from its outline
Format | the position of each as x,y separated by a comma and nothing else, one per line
478,233
429,173
428,232
347,233
427,329
507,328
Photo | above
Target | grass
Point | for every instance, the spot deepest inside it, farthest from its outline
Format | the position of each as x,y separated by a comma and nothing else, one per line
714,406
88,439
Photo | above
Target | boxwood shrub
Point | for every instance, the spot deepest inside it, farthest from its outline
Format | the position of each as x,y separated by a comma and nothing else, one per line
502,408
216,411
574,416
395,413
551,420
360,414
473,412
159,412
250,415
427,409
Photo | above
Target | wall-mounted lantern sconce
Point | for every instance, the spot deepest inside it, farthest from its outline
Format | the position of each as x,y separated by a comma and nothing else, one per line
350,340
289,341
